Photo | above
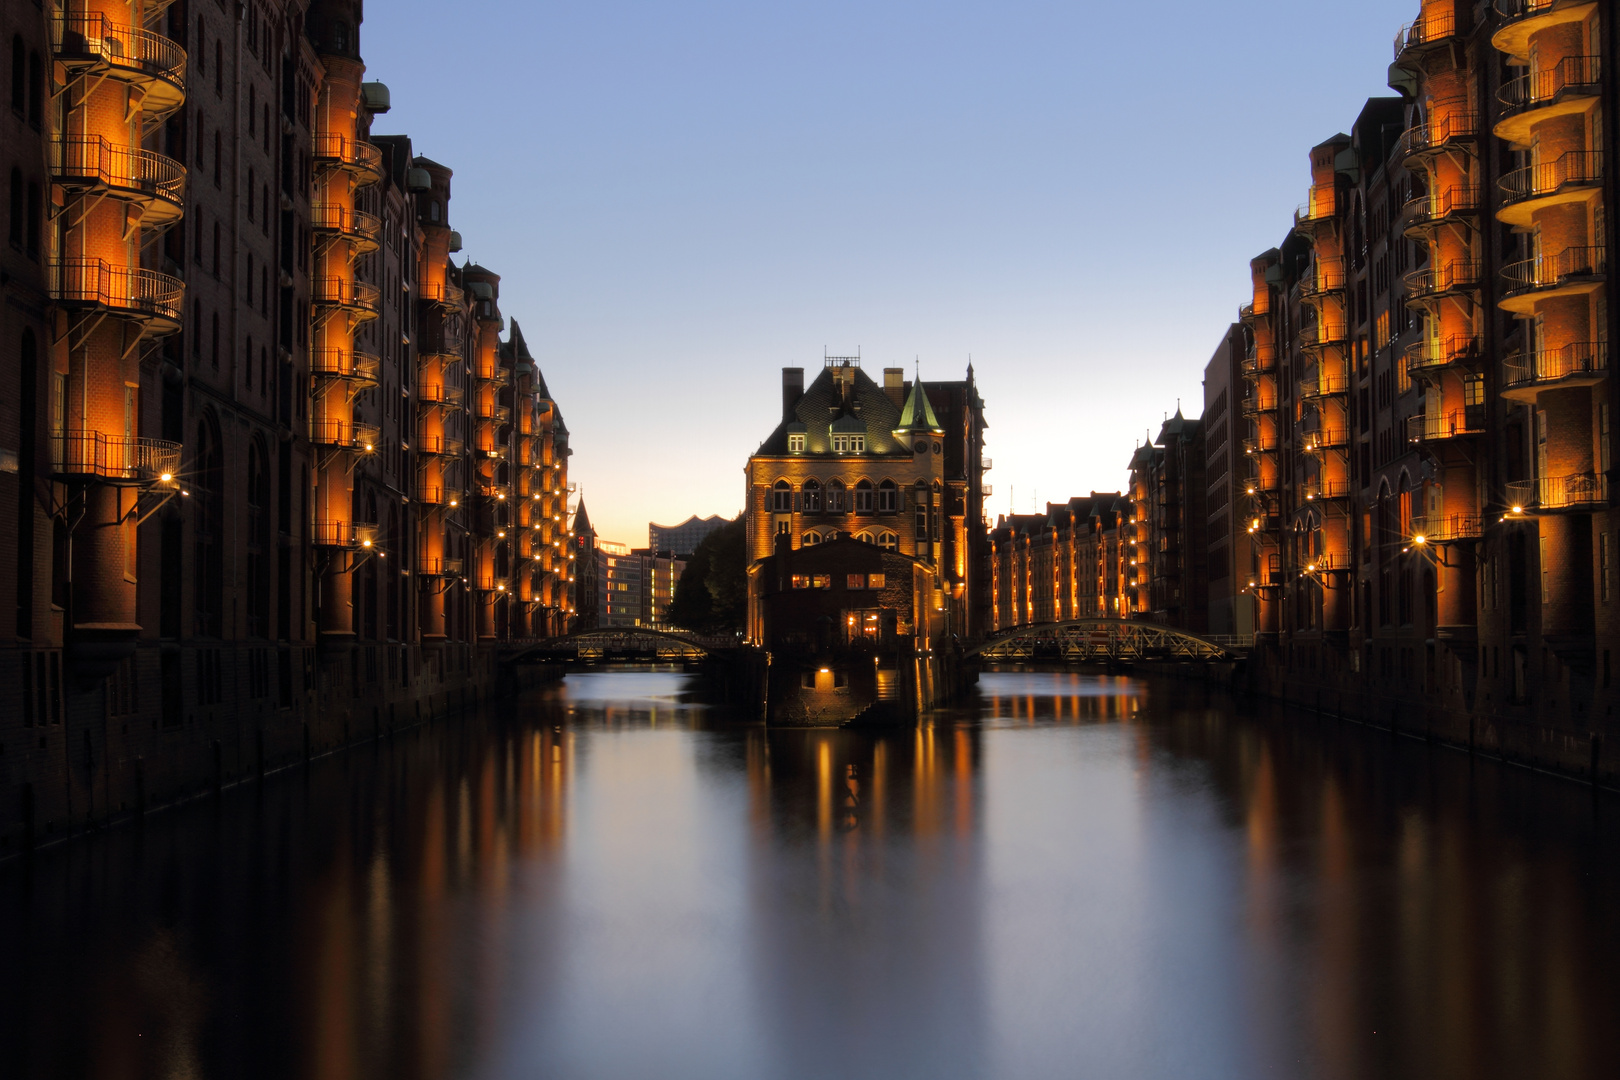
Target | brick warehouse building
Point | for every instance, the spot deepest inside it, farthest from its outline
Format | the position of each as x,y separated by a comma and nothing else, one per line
1428,410
275,476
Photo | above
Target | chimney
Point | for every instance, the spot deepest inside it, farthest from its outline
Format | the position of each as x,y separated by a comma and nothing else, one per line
894,384
792,390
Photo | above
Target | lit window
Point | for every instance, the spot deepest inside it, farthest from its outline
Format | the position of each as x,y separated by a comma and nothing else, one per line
795,444
854,581
801,581
821,581
875,581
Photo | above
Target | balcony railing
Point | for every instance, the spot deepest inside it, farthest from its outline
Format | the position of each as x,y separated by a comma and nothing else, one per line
1431,355
339,534
1523,9
340,151
1446,528
1326,384
432,567
438,446
1321,336
1317,490
118,459
1575,491
1259,359
90,161
442,293
358,367
1578,359
1426,31
1260,444
1255,404
1457,276
1321,206
1326,276
1552,271
361,438
1433,208
1451,425
1438,132
1323,439
345,293
85,40
1572,169
360,228
134,293
490,583
440,394
1580,74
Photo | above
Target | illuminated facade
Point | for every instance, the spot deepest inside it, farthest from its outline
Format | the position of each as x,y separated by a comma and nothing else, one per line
1071,562
1428,413
274,473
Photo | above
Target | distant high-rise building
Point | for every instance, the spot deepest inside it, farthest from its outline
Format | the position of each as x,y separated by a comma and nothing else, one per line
683,539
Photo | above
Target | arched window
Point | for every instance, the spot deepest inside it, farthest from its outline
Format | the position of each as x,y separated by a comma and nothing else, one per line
340,37
258,540
36,91
811,497
835,497
782,498
811,539
863,498
14,229
433,211
208,510
19,74
888,497
864,537
888,541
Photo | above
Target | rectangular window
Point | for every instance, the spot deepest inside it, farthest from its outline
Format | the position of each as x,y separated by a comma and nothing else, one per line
821,581
854,581
857,444
840,444
1603,566
795,444
875,581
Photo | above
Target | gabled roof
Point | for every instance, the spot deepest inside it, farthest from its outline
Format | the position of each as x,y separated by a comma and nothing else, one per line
582,520
821,405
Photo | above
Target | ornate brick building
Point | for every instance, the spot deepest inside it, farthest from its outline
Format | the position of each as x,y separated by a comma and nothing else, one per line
273,476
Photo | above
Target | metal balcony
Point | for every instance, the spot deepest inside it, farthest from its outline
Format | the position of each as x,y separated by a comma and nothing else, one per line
343,534
358,298
1568,86
1320,336
1259,359
432,567
1440,133
1447,528
1456,424
1459,276
1324,439
442,294
363,231
1573,271
438,446
154,184
1579,491
146,296
1573,176
151,65
1326,278
440,395
1260,444
1429,211
362,369
1428,356
114,459
1321,208
336,151
1325,385
1255,404
1580,363
1425,33
344,435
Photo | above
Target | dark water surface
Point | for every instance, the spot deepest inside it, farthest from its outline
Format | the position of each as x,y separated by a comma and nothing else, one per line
1077,877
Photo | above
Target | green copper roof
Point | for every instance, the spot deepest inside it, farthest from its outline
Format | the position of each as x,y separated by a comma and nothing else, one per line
918,415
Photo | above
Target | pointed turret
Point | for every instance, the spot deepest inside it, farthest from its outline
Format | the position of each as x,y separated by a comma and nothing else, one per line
582,520
918,415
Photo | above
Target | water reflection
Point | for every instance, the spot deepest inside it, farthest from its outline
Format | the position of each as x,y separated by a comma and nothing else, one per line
1073,876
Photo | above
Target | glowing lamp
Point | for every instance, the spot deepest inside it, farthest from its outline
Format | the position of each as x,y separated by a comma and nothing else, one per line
166,477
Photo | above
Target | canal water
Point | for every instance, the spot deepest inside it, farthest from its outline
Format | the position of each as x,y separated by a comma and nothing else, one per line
1071,876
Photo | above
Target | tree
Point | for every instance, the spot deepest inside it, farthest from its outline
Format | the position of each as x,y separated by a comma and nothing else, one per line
712,595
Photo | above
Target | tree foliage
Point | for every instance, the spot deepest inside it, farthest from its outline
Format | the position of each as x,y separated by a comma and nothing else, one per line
712,595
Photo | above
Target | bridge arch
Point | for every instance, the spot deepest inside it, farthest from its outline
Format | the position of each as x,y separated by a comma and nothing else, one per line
607,642
1101,640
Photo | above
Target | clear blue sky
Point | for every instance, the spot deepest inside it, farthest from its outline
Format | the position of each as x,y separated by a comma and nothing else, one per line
682,198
